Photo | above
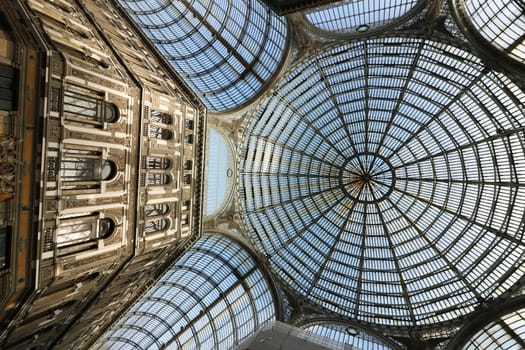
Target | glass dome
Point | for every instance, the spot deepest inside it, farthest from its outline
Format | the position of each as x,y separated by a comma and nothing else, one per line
225,50
501,23
385,180
360,16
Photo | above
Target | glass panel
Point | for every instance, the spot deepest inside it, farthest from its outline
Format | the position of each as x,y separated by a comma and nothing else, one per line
501,23
76,229
219,174
506,333
360,16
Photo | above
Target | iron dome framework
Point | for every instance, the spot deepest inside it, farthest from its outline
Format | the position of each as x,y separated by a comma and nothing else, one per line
384,180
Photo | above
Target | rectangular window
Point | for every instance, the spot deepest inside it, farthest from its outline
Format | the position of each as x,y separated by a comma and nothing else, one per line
76,229
5,233
8,88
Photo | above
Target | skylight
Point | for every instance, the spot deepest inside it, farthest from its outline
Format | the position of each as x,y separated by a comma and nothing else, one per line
214,296
506,333
360,16
225,50
385,180
501,23
218,180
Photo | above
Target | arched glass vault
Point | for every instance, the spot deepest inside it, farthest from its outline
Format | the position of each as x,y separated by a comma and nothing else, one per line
219,172
360,16
496,327
499,23
353,335
213,297
225,50
385,180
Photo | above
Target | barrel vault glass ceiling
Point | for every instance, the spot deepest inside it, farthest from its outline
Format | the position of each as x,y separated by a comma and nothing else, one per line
383,178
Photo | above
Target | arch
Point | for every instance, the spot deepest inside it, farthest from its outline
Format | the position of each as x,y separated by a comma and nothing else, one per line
498,325
499,25
228,299
225,50
219,178
360,17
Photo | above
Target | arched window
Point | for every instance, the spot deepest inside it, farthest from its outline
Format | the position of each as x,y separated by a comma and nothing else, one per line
157,163
160,117
156,225
499,23
357,337
157,179
158,132
85,169
79,228
152,210
219,167
87,107
360,16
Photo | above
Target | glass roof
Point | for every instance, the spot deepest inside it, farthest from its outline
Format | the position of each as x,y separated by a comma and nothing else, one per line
219,172
385,180
501,23
214,296
359,16
507,333
225,50
356,337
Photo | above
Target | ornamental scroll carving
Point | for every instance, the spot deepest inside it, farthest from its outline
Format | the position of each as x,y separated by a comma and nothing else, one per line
7,167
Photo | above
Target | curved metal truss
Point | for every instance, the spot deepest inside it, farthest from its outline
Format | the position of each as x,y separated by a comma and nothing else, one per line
360,17
214,296
385,181
505,333
500,23
225,50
